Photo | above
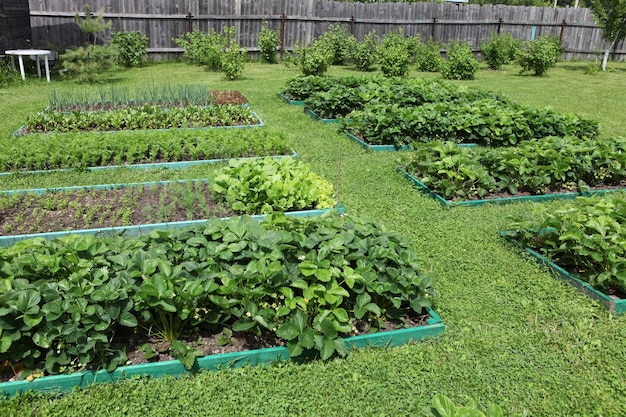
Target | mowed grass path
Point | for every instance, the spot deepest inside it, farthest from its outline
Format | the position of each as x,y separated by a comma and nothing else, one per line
515,335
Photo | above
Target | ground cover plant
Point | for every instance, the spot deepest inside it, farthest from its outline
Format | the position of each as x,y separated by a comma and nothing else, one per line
242,187
308,281
515,336
83,150
584,237
532,167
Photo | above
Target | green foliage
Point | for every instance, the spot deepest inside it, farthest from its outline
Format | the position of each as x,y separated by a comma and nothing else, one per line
202,48
90,25
88,64
63,300
268,41
585,237
281,184
534,166
338,43
345,95
393,55
313,59
75,150
442,406
132,47
461,63
611,17
233,62
364,54
499,50
428,56
303,86
539,55
8,73
141,117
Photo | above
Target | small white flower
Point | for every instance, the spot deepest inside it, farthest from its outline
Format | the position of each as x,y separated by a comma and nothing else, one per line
301,258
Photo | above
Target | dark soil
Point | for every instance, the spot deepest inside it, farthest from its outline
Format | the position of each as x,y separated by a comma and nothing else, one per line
209,342
228,97
86,209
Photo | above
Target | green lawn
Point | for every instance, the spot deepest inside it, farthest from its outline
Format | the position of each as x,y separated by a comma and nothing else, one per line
515,335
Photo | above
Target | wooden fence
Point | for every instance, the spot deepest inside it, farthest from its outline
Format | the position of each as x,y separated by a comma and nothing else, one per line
54,26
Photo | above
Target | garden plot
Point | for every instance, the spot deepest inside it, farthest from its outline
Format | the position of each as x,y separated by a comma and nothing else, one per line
167,148
241,187
533,170
584,243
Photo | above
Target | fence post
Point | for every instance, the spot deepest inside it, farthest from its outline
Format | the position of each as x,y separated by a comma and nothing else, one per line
189,23
562,29
282,35
499,24
432,34
352,24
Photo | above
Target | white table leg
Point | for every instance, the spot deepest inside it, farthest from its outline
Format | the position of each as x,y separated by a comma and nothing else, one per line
38,66
45,57
19,58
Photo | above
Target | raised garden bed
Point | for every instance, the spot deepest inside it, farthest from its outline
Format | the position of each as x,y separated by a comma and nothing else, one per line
134,149
308,285
537,170
315,117
290,101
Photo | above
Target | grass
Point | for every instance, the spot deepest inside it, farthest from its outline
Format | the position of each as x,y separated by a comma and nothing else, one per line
515,335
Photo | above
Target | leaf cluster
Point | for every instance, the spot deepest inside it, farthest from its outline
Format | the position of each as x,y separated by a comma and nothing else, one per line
314,58
303,86
88,64
132,47
442,406
461,63
310,281
539,55
269,40
499,50
535,166
260,186
394,54
338,42
140,117
76,150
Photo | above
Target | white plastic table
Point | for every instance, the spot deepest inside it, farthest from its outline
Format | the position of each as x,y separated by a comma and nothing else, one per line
36,53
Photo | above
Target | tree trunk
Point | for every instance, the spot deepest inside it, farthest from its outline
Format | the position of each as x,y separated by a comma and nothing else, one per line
606,55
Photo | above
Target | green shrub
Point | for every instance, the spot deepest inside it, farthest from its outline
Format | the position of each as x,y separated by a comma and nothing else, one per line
132,47
88,64
364,53
338,42
280,184
499,50
428,57
393,55
204,49
461,63
303,86
313,59
268,41
233,62
539,55
8,73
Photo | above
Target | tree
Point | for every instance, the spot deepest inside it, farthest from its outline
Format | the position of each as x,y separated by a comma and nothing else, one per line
611,17
91,26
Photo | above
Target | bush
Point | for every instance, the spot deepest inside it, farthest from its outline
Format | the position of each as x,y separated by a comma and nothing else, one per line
364,53
338,42
204,49
539,55
87,64
268,41
393,55
8,73
233,62
313,59
461,64
499,50
428,57
132,47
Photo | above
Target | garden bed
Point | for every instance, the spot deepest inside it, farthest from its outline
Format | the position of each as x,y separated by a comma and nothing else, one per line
315,117
135,149
290,101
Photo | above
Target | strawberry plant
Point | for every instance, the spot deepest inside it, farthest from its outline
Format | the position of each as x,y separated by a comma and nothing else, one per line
585,237
303,86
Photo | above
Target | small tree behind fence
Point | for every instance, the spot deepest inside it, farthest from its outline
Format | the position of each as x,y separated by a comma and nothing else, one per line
54,27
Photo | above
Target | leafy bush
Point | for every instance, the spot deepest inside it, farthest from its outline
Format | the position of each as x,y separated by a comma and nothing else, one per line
8,73
535,166
461,63
233,62
393,55
88,64
539,55
313,59
499,50
585,237
364,54
132,47
337,102
205,49
428,57
268,41
338,42
65,302
281,184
